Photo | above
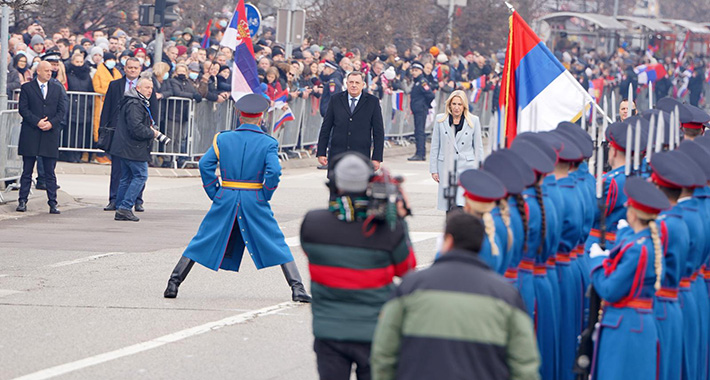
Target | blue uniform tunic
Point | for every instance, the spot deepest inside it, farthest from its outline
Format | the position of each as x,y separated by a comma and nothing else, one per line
626,348
246,155
530,248
502,237
516,249
690,213
669,316
699,287
570,281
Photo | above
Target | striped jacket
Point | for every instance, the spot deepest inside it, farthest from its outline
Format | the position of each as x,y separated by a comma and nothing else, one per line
455,320
351,275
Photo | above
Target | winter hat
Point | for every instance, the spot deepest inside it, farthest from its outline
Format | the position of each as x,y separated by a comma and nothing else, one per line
352,174
36,40
442,58
96,50
390,73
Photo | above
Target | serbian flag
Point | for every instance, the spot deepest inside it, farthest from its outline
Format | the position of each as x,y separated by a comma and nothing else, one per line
537,93
477,86
245,79
650,73
596,89
208,33
398,100
280,100
287,116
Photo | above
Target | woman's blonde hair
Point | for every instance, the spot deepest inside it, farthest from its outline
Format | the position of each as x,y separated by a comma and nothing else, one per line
655,238
160,69
447,110
485,208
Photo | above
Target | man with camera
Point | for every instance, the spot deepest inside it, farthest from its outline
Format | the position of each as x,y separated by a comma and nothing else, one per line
355,248
135,130
109,119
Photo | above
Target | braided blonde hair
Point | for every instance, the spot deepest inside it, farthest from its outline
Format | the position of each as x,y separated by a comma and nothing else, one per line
485,208
505,215
657,248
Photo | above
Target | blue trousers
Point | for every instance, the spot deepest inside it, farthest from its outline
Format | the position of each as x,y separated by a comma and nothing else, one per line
419,134
116,180
134,174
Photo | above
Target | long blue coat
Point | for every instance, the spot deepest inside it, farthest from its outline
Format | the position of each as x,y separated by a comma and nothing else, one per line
628,342
244,155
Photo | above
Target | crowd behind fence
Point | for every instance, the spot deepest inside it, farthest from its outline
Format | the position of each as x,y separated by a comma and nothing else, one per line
191,126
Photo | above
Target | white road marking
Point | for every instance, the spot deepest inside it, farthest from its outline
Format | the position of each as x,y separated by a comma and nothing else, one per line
4,275
84,259
416,237
8,292
154,343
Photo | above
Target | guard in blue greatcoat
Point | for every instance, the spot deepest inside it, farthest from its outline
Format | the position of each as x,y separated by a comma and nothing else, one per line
240,216
532,270
627,280
481,191
670,177
701,157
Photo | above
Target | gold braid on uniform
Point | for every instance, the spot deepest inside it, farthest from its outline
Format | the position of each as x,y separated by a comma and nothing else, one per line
520,203
485,208
538,195
505,215
658,254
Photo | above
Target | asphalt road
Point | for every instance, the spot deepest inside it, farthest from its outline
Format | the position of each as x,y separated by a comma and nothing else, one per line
81,294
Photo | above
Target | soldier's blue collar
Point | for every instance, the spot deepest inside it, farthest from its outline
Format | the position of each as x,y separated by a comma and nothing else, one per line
250,127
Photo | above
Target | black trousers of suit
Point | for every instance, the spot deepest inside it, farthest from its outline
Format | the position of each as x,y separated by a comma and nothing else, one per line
50,179
116,180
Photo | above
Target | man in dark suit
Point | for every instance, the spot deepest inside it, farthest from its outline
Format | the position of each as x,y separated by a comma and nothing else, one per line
353,122
42,106
109,117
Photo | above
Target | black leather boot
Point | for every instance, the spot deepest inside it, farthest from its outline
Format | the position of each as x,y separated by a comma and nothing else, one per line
178,276
298,291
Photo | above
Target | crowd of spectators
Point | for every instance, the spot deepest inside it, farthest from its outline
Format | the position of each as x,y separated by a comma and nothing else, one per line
89,61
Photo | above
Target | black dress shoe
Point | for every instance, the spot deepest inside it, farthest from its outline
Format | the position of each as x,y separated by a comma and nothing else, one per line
111,206
21,206
126,215
53,210
323,167
416,158
139,207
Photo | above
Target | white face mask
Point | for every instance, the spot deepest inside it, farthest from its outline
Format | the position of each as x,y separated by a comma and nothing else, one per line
141,60
35,64
147,63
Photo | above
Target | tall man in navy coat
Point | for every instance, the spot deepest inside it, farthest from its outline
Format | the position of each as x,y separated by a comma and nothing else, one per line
353,122
42,106
240,216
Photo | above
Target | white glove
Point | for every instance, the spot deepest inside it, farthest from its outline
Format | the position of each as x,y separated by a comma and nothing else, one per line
622,224
596,251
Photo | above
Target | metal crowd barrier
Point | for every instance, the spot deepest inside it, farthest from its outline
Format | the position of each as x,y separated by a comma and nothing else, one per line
10,161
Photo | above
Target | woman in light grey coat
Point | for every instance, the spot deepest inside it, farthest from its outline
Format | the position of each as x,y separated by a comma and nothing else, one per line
456,136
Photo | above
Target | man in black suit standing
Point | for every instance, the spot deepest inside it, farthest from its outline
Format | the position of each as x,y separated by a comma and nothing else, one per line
42,106
353,122
109,117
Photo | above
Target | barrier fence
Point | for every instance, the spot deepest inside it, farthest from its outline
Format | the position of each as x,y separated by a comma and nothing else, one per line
191,126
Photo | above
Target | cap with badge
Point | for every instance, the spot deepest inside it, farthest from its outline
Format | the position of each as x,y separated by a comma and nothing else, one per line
644,196
665,171
252,105
52,56
502,167
616,135
540,162
697,119
481,186
417,65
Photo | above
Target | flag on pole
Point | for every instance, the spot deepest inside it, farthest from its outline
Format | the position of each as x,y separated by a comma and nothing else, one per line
245,79
596,89
477,86
537,92
287,116
208,33
650,73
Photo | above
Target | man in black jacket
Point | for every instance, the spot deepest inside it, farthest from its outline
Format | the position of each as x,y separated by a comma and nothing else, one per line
353,122
109,117
131,142
42,106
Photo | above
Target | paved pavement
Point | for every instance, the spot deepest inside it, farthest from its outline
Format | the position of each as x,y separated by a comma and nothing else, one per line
81,294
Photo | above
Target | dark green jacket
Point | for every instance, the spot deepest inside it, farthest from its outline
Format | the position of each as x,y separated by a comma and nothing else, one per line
455,320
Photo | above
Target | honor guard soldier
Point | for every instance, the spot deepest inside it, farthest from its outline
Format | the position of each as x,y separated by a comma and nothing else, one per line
421,97
240,216
676,242
627,279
